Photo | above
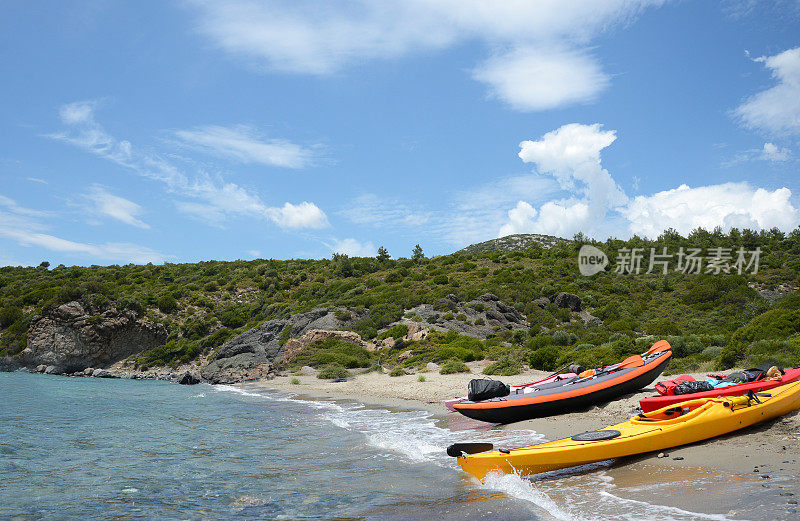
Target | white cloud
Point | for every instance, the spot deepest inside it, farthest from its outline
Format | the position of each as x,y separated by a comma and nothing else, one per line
116,207
726,205
776,110
36,180
242,143
520,219
312,38
212,199
772,152
598,207
531,79
353,248
24,226
303,215
571,155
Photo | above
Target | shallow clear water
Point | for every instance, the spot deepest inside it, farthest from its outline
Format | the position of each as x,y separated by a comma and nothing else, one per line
99,449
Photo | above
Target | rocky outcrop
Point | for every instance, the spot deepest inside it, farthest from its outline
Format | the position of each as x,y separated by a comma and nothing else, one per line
252,354
542,302
69,338
568,300
481,317
295,346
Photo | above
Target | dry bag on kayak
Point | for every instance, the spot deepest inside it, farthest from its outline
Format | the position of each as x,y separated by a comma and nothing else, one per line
482,389
667,387
693,387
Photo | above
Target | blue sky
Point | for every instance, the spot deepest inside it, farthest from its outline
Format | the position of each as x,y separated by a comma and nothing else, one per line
193,130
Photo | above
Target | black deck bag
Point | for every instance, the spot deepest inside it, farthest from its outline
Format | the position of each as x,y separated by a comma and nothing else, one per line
693,387
482,389
738,377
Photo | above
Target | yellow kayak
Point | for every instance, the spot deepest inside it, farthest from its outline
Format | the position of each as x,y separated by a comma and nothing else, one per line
679,424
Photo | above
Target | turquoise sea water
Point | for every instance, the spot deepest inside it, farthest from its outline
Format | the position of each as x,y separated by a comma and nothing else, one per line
85,448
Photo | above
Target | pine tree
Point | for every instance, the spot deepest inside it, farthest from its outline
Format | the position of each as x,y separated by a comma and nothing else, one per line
416,253
383,254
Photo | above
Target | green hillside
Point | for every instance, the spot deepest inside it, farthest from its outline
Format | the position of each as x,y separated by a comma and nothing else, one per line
712,321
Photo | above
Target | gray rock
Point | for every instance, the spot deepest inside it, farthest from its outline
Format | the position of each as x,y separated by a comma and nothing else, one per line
102,373
542,302
187,378
88,371
73,339
568,300
252,354
487,308
430,366
41,368
51,369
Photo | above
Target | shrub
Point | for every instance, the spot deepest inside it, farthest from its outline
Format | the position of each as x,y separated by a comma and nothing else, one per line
9,315
564,338
479,321
461,317
397,332
440,279
503,367
167,304
447,316
539,341
295,381
286,334
454,366
545,358
335,352
332,371
397,371
420,378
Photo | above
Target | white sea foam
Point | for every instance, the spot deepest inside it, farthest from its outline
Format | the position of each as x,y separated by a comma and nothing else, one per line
234,389
576,494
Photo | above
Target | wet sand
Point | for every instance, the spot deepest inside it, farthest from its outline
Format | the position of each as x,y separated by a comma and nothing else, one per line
770,447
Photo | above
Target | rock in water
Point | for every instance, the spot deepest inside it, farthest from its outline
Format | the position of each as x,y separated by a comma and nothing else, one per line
102,373
71,338
187,378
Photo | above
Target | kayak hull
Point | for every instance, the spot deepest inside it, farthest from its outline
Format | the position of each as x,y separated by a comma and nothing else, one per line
708,418
514,410
653,403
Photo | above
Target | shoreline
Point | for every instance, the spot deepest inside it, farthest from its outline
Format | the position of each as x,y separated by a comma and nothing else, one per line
770,447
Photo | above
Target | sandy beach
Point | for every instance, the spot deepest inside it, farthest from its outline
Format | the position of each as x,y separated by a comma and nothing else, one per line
771,447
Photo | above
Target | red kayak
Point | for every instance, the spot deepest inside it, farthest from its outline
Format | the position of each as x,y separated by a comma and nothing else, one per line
657,402
579,392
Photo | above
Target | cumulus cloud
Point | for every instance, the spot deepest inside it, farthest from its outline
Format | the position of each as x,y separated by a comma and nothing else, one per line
776,110
242,143
206,197
353,248
598,207
772,152
726,205
571,155
110,205
312,38
531,79
303,215
25,227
